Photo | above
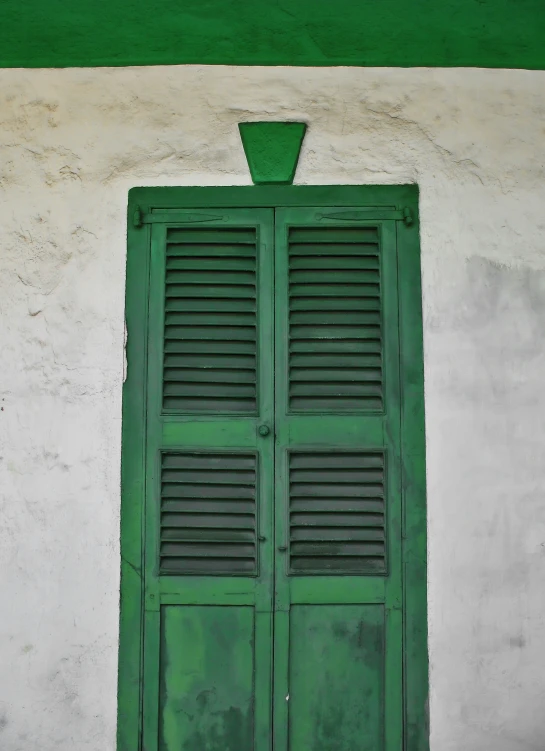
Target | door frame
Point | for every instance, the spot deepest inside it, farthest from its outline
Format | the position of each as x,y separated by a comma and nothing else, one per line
146,205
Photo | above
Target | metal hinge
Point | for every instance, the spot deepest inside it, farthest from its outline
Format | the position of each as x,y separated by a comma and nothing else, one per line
408,218
404,215
139,217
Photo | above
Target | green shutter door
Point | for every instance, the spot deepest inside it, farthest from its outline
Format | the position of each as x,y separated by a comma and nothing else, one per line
338,635
272,521
208,528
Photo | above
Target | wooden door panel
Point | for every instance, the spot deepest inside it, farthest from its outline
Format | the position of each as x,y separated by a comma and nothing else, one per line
209,500
338,573
336,678
207,668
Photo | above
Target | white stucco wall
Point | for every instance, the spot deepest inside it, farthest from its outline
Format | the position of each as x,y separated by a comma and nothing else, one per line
72,143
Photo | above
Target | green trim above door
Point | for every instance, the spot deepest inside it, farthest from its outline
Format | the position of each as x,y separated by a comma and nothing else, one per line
272,150
453,33
358,596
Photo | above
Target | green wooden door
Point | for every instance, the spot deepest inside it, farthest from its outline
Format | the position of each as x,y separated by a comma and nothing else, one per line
208,531
337,621
272,579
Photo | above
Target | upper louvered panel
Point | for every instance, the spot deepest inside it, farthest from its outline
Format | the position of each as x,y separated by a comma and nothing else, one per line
208,514
210,337
337,512
335,345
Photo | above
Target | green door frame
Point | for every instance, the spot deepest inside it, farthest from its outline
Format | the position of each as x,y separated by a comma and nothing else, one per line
149,205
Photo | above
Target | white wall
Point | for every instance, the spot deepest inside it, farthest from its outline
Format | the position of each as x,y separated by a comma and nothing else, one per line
72,143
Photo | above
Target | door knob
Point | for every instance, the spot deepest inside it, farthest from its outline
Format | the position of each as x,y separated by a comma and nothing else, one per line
263,430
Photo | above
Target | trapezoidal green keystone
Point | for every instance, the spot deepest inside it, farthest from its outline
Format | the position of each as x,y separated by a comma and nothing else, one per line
272,150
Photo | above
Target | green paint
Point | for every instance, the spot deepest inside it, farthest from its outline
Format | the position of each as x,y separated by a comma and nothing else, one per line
478,33
336,677
272,150
204,434
198,637
133,495
363,427
413,452
207,690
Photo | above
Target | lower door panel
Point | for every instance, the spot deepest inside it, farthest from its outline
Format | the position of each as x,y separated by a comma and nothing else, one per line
206,679
336,678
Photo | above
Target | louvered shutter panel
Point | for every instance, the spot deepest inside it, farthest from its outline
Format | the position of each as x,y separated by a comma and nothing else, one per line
338,579
209,502
210,335
337,512
208,513
335,350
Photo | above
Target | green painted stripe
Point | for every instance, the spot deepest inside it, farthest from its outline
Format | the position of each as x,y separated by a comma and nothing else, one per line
474,33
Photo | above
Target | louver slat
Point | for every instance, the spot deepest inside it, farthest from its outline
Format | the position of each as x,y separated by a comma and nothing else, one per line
208,513
335,332
210,339
337,513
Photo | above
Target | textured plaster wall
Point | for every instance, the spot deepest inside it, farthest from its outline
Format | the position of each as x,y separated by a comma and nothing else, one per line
72,143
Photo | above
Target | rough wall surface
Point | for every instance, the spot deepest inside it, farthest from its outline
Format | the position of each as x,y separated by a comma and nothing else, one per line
72,143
